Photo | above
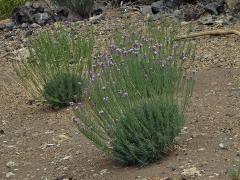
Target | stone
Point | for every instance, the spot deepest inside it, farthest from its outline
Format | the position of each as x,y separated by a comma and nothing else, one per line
191,173
39,12
11,164
61,13
222,146
146,10
10,26
39,6
207,20
23,14
24,25
9,174
2,27
96,19
2,131
8,35
201,149
158,7
35,25
28,33
192,12
103,172
67,158
215,7
173,4
178,14
22,53
99,8
41,18
238,153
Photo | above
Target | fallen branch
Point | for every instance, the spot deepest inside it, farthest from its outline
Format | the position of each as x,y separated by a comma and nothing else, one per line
210,33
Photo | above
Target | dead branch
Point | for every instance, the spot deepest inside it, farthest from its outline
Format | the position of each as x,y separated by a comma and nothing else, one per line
210,33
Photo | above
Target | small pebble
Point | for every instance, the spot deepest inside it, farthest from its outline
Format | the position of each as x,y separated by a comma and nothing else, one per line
238,153
222,146
104,171
9,174
11,164
2,131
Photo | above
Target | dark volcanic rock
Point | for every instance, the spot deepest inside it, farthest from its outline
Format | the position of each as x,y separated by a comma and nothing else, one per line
166,5
41,18
39,12
99,7
215,8
158,7
23,14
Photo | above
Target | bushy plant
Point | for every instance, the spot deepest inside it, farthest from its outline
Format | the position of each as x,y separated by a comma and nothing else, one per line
81,7
55,66
63,89
7,7
138,94
146,132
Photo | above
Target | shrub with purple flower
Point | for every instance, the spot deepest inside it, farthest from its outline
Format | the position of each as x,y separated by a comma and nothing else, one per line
145,96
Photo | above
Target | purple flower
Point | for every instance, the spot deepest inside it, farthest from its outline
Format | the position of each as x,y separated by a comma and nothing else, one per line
145,40
94,67
112,47
136,46
154,50
145,57
110,62
93,78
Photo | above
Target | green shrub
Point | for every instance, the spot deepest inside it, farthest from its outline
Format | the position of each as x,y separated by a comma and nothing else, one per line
81,7
146,132
7,7
63,89
55,57
138,87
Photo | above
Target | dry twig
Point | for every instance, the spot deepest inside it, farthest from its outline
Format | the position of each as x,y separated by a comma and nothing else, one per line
210,33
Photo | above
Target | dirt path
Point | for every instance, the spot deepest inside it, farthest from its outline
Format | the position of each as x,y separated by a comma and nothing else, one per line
41,144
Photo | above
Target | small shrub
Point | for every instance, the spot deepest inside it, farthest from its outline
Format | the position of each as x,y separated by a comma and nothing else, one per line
146,132
63,89
81,7
55,65
7,7
138,94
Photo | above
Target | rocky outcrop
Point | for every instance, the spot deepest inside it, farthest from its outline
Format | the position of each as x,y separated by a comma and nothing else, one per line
38,12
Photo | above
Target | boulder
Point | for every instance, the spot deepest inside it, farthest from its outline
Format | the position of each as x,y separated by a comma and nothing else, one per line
158,7
39,12
99,7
